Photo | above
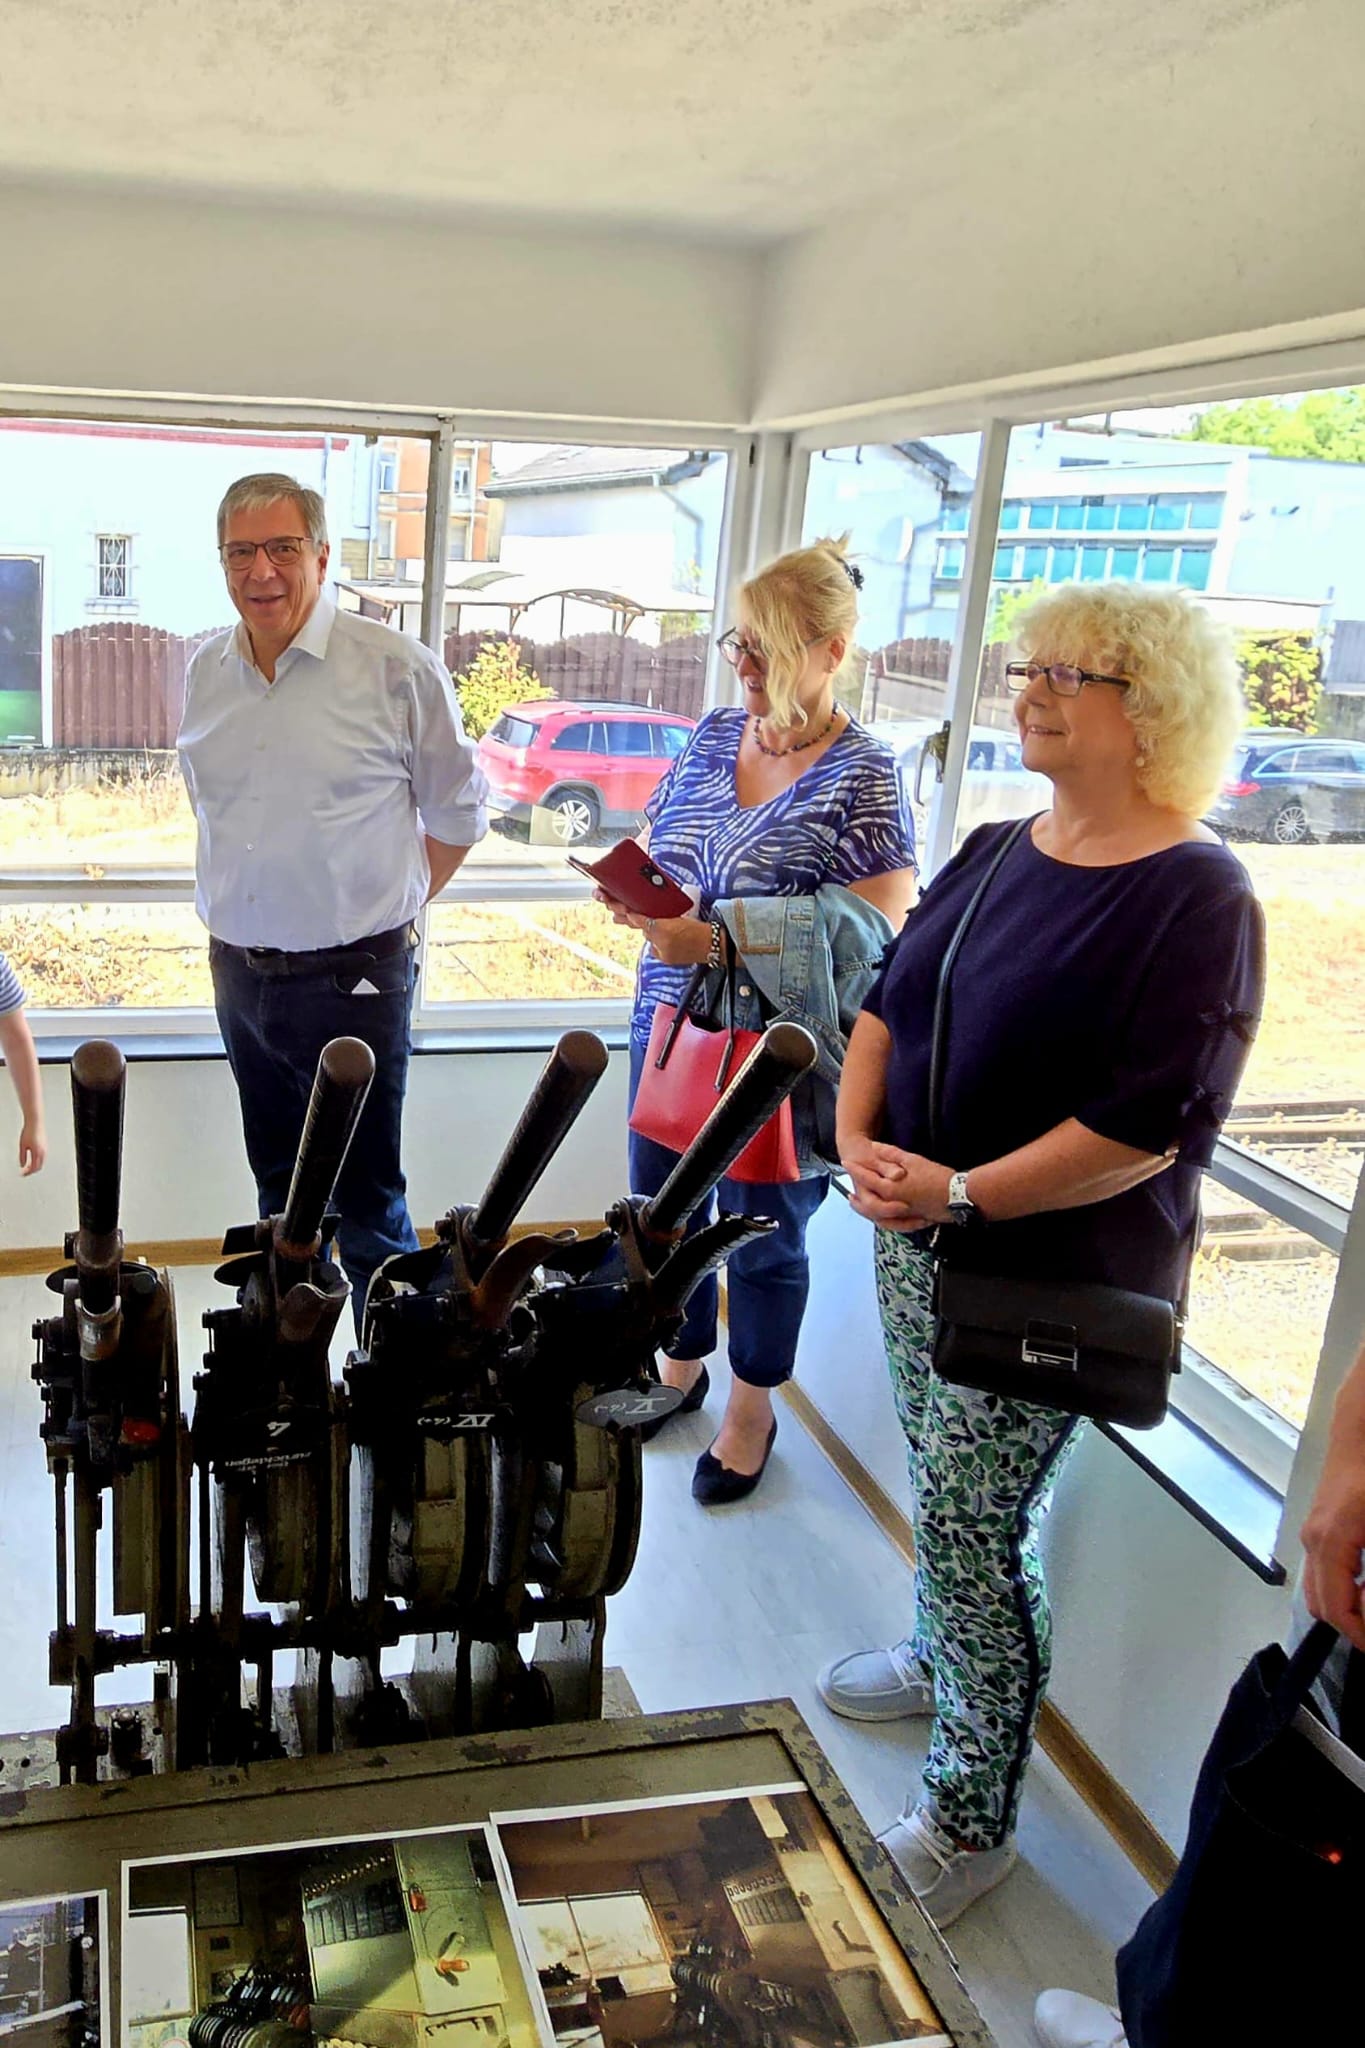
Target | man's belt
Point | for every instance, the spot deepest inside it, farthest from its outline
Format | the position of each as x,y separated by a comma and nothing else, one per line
273,960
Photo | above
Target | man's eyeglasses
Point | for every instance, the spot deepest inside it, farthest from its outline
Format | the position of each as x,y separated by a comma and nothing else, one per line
736,649
241,554
1061,678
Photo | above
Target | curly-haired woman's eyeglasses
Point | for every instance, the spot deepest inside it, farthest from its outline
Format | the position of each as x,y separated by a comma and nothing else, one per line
1061,678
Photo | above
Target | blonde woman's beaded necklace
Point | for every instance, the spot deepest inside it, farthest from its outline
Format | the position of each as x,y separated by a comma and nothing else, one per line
781,753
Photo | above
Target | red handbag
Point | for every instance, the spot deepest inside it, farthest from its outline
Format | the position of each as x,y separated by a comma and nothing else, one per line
687,1069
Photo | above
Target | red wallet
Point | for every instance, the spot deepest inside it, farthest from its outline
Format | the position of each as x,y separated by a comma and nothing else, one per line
629,875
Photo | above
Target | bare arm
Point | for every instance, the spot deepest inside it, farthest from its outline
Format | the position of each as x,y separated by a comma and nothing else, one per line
1334,1533
892,894
1069,1167
443,860
21,1057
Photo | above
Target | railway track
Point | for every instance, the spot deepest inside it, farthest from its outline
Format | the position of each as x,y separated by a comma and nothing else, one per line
1322,1140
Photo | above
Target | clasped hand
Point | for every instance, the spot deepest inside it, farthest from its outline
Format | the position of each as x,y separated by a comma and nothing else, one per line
899,1190
678,941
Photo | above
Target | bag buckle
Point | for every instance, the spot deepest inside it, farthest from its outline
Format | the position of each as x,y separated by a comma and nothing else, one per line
1051,1344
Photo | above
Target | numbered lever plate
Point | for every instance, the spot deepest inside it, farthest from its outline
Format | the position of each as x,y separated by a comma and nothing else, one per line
628,1407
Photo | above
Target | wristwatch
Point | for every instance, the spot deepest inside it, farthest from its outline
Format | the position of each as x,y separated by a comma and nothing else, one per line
961,1208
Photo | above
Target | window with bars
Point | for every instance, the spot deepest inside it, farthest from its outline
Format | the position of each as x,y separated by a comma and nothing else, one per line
113,565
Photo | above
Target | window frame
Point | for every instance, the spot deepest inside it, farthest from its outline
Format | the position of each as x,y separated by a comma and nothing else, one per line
123,567
750,460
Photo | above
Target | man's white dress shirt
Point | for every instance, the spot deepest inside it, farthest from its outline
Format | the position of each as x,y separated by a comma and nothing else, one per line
312,793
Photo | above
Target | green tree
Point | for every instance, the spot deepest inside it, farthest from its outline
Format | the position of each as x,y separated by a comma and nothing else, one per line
1281,678
495,678
1006,606
1326,425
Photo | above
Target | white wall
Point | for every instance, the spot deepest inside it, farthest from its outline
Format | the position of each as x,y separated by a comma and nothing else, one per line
130,292
185,1173
1129,228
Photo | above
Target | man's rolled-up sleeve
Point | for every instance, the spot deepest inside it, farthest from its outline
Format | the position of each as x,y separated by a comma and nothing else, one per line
449,785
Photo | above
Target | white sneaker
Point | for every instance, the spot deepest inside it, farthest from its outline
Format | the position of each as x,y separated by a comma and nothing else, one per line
876,1685
1067,2019
945,1879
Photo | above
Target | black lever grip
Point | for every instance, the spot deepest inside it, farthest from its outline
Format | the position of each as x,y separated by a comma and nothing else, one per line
345,1071
783,1054
570,1074
97,1078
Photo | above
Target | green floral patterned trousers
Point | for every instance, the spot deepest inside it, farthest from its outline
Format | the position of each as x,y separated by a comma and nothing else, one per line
983,1470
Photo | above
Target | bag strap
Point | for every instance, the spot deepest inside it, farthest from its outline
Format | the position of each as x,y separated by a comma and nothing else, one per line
680,1013
938,1043
1304,1669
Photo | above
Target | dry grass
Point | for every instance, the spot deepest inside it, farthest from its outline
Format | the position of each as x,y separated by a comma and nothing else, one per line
107,956
144,821
481,952
1312,1037
1262,1321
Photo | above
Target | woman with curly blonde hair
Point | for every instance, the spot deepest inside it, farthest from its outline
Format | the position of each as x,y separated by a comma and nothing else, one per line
1103,1003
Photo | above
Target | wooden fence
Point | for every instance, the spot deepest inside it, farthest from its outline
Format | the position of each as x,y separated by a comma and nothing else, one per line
122,684
119,684
908,678
592,667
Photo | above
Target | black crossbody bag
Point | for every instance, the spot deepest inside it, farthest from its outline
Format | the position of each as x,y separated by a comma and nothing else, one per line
1074,1345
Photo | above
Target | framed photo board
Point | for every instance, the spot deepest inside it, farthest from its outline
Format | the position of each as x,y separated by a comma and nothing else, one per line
682,1876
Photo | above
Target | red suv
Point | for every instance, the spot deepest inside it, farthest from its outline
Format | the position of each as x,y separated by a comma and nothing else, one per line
589,765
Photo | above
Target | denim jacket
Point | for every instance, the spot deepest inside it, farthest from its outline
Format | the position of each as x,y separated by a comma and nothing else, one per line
807,960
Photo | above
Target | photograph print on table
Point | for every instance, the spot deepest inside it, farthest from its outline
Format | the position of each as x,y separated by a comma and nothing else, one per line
52,1972
375,1942
714,1921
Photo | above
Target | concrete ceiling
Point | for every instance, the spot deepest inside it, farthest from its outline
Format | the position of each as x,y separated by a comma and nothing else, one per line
717,120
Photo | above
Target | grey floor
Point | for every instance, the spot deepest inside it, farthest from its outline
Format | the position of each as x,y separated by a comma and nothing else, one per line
733,1604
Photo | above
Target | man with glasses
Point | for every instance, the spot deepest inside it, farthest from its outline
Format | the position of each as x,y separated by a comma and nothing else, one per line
334,792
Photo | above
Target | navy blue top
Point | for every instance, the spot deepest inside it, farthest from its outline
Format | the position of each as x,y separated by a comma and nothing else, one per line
1126,997
844,819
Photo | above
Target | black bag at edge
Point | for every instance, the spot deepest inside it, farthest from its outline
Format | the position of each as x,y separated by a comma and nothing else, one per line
1255,1938
1078,1346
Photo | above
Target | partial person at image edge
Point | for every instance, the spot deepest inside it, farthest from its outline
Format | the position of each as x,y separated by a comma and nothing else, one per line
21,1057
334,791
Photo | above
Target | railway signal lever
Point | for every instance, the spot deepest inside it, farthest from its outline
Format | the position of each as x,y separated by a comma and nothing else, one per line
447,1332
106,1368
634,1280
268,1428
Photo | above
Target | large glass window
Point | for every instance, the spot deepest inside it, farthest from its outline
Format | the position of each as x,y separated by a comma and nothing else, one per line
1291,586
598,591
895,502
576,577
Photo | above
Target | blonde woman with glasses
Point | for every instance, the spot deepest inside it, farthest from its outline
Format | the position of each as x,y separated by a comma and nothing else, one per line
785,821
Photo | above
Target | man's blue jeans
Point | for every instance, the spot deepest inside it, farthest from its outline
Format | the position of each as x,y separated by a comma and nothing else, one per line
274,1026
768,1278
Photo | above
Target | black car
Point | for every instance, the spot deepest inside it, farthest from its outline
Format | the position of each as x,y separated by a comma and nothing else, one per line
1290,790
